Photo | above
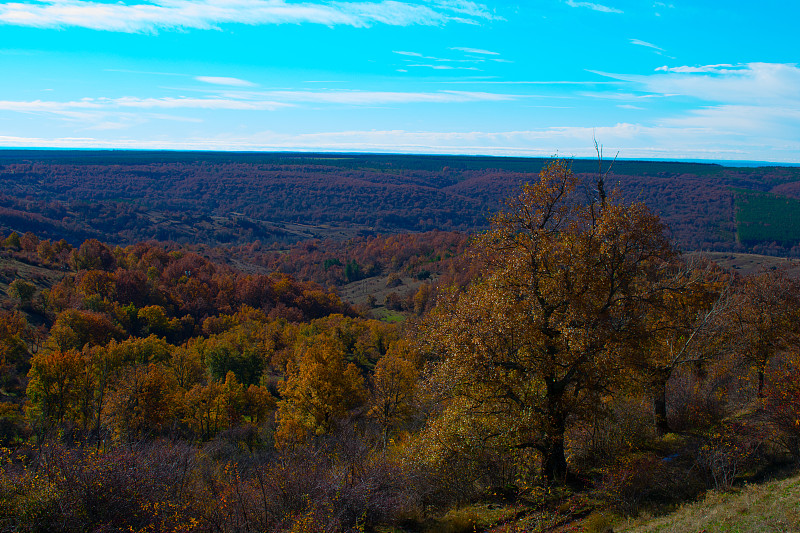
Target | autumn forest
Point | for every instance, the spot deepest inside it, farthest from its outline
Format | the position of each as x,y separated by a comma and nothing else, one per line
395,344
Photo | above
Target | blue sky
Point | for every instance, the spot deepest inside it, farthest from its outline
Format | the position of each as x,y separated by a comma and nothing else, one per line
673,80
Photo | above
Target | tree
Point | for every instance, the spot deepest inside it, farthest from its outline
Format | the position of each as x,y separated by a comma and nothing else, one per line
142,402
319,389
54,383
186,365
765,319
95,282
236,350
782,406
22,290
393,386
13,326
29,242
12,241
93,255
561,302
74,329
144,351
205,409
685,326
154,320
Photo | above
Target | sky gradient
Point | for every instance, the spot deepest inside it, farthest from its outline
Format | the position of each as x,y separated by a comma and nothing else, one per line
667,80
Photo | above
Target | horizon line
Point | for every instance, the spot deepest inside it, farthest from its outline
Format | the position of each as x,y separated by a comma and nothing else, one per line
748,163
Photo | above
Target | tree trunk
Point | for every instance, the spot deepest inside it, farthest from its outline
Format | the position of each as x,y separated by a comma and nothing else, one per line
793,443
660,407
554,462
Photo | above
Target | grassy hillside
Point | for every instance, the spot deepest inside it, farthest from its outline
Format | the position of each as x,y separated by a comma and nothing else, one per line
746,264
769,507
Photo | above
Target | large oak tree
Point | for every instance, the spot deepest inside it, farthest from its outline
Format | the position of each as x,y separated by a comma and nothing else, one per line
567,280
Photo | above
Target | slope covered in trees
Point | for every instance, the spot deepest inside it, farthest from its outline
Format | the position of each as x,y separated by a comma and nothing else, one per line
573,361
127,197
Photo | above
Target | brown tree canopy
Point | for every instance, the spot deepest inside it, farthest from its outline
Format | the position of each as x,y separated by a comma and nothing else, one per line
566,284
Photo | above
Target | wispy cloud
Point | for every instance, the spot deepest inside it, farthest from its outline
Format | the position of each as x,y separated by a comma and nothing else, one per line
147,72
440,67
70,108
646,44
633,140
195,103
417,56
729,104
535,82
743,120
362,98
209,14
95,109
765,84
626,96
468,8
474,51
221,80
593,6
410,54
721,68
476,57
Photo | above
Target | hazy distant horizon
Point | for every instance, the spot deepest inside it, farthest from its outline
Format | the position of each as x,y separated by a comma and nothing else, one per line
607,158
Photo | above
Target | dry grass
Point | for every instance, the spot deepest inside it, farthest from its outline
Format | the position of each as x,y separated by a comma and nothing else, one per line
472,518
746,264
41,277
769,507
357,291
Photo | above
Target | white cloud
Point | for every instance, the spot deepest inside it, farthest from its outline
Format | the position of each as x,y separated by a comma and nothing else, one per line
474,51
593,6
415,56
94,111
466,7
534,82
753,121
78,108
128,71
632,140
441,67
748,111
194,103
755,106
209,14
218,80
629,96
35,106
721,68
381,97
645,43
763,84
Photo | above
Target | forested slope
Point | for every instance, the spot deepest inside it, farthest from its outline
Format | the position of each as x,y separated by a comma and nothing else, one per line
567,365
127,197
